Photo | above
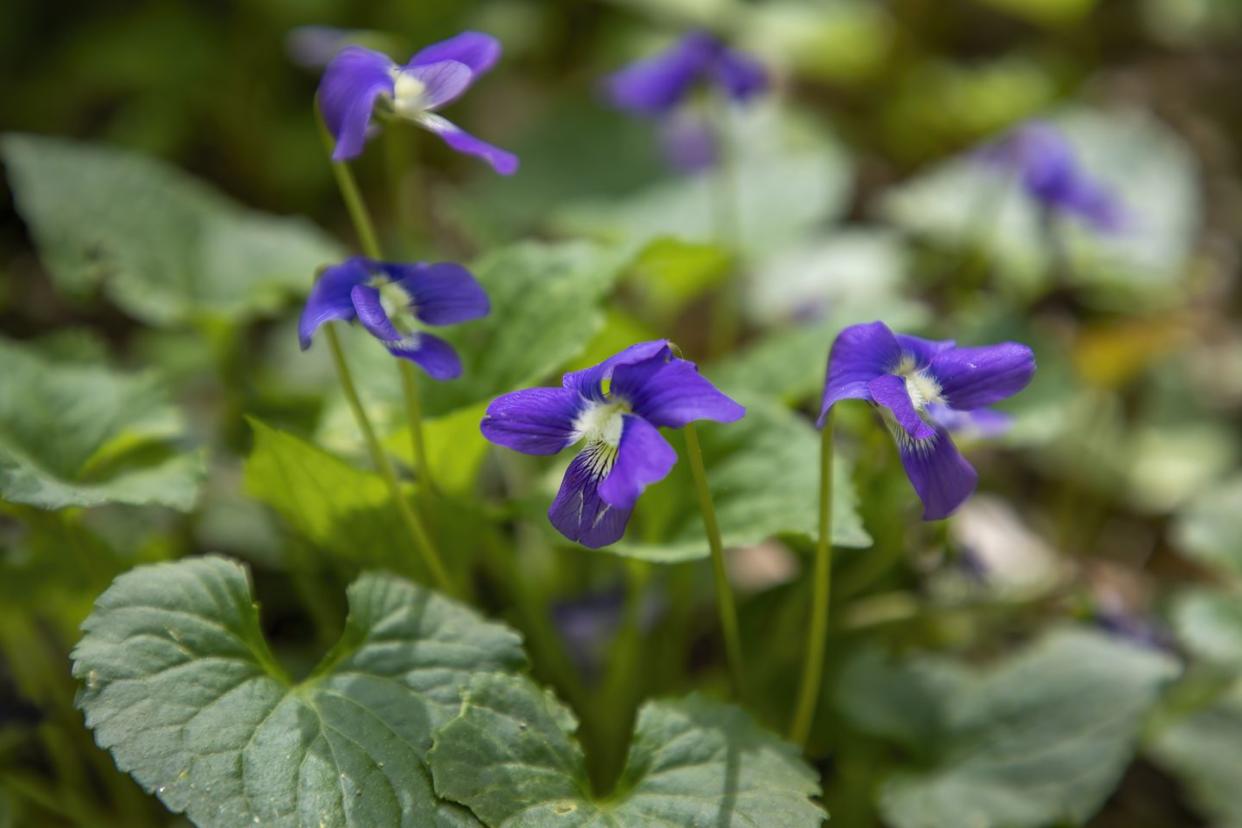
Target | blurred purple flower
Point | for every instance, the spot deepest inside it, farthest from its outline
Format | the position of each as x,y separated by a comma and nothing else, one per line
358,78
657,85
387,297
906,377
1040,157
689,143
617,408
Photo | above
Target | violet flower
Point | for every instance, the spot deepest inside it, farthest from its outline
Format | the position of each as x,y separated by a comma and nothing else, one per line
387,298
658,85
1038,155
616,408
358,79
912,380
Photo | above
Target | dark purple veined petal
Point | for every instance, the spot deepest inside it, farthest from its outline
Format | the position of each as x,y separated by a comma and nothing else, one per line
431,353
890,392
972,378
579,513
441,83
940,475
347,93
372,315
505,163
533,420
923,350
589,382
444,293
741,76
330,298
672,393
476,50
656,85
859,354
643,457
981,422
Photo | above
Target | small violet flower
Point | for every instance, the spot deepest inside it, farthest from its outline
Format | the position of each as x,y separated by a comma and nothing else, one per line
616,409
659,84
357,79
924,388
387,298
1039,156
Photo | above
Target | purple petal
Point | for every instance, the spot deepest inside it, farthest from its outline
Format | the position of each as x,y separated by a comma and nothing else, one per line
859,354
533,420
890,391
672,393
742,76
431,353
940,475
442,82
972,378
505,163
372,315
476,50
347,93
923,350
444,293
982,422
579,513
643,457
658,84
589,382
330,298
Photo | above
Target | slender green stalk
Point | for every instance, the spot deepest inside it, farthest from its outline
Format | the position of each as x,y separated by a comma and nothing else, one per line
817,634
414,412
724,593
727,228
409,517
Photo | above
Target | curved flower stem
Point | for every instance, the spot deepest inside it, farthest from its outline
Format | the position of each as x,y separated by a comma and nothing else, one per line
817,634
724,593
727,229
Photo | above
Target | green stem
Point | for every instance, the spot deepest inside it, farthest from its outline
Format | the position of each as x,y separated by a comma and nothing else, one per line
422,541
724,593
414,411
727,228
817,634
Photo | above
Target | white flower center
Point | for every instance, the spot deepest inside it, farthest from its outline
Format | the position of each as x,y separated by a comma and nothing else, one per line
397,304
920,386
409,94
601,423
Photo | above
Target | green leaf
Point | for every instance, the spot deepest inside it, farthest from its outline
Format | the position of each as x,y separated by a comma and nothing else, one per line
965,203
1039,739
906,701
334,505
1208,529
1209,623
80,434
181,687
455,448
511,758
165,247
670,273
764,483
1204,750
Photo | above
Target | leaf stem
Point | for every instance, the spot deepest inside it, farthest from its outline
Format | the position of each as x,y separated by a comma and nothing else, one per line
727,229
817,634
724,593
414,412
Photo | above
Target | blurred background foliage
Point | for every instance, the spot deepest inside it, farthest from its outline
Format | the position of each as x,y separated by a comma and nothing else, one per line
968,661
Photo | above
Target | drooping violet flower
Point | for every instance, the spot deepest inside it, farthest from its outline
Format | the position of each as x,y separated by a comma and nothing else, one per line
616,409
387,298
909,379
358,80
1039,156
658,85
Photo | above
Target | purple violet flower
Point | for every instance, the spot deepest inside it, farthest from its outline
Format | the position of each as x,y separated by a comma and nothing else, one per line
617,409
358,78
658,85
1042,160
910,380
387,298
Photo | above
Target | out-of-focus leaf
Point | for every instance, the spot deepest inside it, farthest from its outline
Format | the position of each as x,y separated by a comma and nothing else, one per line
836,40
1209,623
179,684
762,485
511,757
1039,739
965,203
1204,751
1049,12
455,448
787,179
80,434
907,701
670,272
1209,528
164,247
